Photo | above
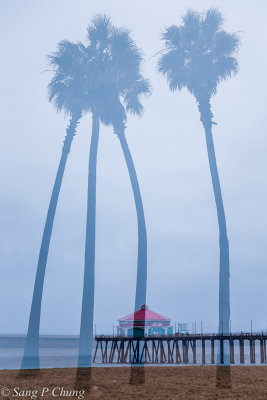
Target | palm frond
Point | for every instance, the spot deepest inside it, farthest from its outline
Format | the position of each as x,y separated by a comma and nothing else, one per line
172,37
225,67
225,44
212,22
192,19
67,56
134,106
65,90
199,54
132,98
99,30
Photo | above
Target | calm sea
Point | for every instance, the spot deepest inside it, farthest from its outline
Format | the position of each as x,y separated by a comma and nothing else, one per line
62,351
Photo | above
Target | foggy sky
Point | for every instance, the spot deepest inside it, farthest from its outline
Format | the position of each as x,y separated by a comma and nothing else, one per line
168,148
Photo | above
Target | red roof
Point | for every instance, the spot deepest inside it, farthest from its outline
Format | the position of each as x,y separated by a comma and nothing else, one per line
144,314
165,324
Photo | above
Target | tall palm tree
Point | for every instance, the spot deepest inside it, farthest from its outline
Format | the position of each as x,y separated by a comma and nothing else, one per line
115,61
197,56
65,91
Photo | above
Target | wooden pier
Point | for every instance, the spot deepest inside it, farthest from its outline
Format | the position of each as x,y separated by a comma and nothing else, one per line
176,349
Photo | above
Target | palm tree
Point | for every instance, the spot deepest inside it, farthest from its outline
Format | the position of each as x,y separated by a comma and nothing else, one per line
65,91
197,56
113,63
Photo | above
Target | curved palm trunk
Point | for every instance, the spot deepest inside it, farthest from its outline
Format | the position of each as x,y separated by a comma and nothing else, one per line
137,375
140,296
31,351
87,315
224,275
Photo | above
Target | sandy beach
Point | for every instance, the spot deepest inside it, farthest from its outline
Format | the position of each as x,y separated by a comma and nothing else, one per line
198,382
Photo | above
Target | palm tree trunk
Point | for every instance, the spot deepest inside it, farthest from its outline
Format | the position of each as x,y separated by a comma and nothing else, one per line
137,375
31,351
87,315
224,274
140,296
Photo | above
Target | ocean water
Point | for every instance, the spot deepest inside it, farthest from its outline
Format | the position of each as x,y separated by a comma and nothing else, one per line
55,351
62,351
